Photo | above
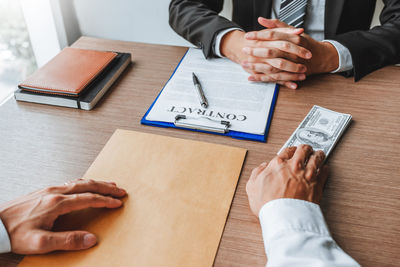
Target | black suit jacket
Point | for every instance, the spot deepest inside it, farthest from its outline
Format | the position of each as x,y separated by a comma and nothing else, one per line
346,21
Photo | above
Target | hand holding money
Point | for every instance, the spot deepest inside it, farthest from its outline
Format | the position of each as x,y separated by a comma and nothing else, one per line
321,129
296,173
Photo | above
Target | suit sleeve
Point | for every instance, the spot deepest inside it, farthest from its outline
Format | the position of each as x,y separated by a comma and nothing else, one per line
377,47
198,22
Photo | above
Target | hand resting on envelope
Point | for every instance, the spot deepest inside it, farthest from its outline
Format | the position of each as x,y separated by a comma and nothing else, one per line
29,219
297,172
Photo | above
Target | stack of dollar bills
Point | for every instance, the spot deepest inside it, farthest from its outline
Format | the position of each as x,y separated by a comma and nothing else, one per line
321,129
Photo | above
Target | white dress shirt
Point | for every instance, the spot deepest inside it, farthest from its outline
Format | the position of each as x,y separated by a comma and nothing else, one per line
313,26
5,245
295,234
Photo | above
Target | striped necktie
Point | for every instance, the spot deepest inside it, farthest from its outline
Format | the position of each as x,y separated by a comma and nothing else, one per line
292,12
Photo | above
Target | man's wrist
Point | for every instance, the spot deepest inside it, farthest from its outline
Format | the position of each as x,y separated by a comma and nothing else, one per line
345,59
330,58
218,38
232,44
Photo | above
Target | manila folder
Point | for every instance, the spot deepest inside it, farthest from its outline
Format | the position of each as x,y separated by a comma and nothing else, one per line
179,195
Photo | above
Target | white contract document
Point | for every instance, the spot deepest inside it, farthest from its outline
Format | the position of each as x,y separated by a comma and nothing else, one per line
231,97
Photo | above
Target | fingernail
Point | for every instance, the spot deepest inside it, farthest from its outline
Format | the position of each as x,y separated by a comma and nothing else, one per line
303,69
111,183
308,55
89,240
302,77
251,78
246,50
293,86
122,191
249,35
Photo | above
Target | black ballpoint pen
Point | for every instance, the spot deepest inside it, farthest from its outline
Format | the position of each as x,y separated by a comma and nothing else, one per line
200,92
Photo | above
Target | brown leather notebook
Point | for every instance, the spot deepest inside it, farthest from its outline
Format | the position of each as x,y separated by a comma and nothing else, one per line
69,72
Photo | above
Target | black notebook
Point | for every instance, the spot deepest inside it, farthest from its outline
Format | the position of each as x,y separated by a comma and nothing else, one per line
92,94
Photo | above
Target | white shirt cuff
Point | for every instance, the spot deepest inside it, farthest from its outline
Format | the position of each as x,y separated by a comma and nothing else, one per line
217,41
5,245
295,234
285,215
345,60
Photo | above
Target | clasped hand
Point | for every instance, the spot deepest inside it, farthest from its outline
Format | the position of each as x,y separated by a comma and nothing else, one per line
280,53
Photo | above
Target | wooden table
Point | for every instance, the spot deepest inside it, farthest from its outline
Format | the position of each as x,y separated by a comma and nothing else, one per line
44,145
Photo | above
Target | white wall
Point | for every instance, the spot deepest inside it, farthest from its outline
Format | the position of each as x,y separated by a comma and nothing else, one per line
128,20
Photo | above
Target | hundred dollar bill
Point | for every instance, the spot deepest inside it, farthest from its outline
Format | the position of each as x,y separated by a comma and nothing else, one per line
320,129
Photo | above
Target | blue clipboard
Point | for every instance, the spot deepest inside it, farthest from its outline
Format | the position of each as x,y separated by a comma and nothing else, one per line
233,134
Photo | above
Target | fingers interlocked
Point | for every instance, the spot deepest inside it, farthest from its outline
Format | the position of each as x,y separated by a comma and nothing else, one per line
277,54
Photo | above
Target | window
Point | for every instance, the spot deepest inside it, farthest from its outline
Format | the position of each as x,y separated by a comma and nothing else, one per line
17,60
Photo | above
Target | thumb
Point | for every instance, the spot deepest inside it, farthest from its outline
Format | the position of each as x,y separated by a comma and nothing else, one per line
297,31
267,23
70,240
273,23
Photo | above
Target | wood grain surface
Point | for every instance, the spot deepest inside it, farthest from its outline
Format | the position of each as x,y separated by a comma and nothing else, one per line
44,145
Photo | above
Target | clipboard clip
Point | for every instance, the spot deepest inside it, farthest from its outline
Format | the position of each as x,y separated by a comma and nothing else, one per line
220,125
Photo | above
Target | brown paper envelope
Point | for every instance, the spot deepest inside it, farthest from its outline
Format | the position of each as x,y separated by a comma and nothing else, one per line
179,195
